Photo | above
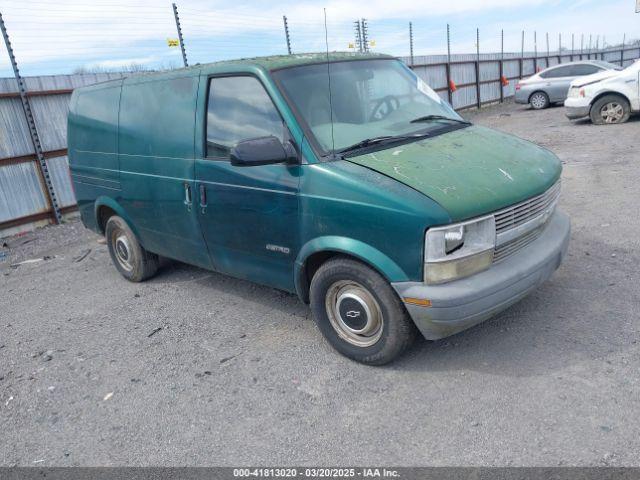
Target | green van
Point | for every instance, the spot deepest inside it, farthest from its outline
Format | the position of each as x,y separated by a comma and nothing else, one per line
343,178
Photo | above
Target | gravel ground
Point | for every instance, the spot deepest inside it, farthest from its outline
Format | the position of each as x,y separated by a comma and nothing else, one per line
194,368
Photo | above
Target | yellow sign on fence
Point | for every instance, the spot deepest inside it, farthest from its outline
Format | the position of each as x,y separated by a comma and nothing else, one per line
173,42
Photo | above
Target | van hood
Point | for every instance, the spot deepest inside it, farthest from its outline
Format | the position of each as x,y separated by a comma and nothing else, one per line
594,77
469,172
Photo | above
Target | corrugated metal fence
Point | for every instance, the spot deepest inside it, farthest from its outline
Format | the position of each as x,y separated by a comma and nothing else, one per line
478,81
22,197
470,80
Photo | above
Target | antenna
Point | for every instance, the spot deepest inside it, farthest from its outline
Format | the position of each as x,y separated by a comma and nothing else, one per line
326,41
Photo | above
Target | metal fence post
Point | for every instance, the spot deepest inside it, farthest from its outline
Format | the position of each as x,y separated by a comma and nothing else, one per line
448,67
589,50
411,42
548,53
479,100
180,39
286,33
559,48
43,169
624,38
501,65
535,52
522,56
581,45
573,39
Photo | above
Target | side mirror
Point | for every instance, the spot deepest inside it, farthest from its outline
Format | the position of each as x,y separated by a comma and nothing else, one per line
262,151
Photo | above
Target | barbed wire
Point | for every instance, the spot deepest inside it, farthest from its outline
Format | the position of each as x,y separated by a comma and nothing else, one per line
106,32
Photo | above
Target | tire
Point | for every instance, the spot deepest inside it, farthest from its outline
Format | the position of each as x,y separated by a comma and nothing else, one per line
610,110
349,297
539,100
132,261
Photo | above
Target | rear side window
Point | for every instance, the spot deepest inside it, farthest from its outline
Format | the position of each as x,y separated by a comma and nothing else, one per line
580,70
239,108
557,72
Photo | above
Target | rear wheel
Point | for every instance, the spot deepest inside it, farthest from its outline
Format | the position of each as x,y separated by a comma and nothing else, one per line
130,258
358,312
539,100
610,109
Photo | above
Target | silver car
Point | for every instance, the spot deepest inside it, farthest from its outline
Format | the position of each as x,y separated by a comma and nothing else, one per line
551,85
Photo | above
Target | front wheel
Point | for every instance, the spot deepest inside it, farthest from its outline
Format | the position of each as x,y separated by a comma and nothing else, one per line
358,312
130,258
610,109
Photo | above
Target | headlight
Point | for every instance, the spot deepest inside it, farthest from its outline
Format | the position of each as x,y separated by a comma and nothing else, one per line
459,250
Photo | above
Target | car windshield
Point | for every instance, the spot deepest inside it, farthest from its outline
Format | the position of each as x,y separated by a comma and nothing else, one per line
370,100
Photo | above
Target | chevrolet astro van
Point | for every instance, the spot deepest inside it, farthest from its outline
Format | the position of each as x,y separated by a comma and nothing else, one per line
343,178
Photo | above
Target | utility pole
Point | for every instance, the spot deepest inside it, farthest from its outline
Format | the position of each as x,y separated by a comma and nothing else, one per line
43,168
286,33
358,33
365,35
411,42
180,39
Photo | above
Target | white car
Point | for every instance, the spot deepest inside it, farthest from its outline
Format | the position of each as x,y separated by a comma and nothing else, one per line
606,97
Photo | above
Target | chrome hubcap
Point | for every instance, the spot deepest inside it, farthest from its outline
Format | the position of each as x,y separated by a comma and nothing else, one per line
354,313
122,250
612,112
538,100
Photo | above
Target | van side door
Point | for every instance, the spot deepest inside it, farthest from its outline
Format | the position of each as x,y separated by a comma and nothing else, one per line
249,214
156,153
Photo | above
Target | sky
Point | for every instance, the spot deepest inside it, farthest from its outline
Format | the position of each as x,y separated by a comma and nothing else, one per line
61,36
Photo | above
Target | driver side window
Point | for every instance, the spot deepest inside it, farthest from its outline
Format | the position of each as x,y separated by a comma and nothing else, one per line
239,108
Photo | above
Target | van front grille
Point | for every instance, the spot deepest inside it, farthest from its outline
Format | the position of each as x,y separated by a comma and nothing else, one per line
523,212
520,214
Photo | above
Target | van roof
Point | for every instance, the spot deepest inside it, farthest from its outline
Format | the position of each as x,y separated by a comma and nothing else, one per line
273,62
282,61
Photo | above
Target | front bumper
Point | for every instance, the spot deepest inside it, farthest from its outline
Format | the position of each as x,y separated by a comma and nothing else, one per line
461,304
576,108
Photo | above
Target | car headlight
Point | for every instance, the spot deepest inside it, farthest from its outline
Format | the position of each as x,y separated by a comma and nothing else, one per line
459,250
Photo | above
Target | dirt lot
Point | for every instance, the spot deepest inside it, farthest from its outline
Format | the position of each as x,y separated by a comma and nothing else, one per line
196,368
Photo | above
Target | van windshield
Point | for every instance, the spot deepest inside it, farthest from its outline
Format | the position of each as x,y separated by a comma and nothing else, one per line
370,99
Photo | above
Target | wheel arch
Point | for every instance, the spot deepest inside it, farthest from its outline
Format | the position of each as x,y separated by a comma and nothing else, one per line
609,92
317,251
106,207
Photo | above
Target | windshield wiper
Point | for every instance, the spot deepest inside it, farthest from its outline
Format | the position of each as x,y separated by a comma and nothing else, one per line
368,142
428,118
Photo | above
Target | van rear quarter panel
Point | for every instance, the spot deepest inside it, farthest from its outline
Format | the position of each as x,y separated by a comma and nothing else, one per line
93,146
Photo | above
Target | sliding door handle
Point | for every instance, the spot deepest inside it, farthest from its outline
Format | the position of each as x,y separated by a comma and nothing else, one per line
203,198
188,199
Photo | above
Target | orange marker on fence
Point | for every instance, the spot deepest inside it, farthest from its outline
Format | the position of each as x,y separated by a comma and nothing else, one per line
452,86
504,80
